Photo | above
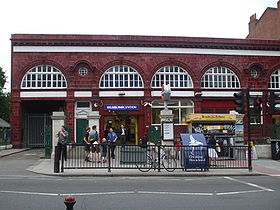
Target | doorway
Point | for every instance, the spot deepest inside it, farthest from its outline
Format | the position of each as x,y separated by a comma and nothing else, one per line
36,119
130,123
81,125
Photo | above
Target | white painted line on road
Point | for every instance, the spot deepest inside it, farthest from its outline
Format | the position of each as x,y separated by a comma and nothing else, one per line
29,193
250,184
99,193
239,192
174,193
274,175
132,192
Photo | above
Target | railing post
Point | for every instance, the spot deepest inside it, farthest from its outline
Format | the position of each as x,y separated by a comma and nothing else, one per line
109,156
250,156
159,152
56,159
63,156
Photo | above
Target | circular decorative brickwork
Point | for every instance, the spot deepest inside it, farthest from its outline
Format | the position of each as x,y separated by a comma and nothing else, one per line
83,71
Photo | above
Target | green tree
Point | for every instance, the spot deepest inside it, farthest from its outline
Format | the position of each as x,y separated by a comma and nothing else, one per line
3,80
4,98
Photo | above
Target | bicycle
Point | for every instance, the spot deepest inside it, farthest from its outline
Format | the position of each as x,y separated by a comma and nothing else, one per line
167,160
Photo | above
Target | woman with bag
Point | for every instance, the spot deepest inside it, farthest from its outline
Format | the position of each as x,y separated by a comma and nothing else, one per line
213,156
86,141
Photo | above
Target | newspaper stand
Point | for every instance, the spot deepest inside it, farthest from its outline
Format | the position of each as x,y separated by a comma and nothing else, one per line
222,125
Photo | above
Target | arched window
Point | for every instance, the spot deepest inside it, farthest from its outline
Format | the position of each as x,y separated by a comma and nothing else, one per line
274,80
175,76
43,77
220,77
121,76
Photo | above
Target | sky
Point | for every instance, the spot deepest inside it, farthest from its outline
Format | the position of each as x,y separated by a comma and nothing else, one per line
190,18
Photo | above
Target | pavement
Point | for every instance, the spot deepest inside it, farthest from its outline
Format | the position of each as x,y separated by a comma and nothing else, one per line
46,167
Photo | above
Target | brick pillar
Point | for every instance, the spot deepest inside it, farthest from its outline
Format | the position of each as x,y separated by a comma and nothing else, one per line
70,118
197,105
147,118
16,126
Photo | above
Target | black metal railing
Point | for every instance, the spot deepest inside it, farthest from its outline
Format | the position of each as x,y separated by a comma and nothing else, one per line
146,157
5,138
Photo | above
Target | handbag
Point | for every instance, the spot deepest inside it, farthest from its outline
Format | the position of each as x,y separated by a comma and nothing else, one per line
218,148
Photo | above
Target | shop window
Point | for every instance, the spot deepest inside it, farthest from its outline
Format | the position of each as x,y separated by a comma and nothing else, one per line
220,77
274,80
174,76
43,77
180,108
121,77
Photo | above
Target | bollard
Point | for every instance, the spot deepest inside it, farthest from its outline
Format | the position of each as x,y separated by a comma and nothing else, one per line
69,202
56,159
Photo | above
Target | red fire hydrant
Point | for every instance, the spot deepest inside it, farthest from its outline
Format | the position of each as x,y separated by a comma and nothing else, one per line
69,202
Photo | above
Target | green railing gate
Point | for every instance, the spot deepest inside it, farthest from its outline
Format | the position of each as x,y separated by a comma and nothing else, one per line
48,140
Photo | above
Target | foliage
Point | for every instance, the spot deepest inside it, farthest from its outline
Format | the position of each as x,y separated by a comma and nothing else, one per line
3,80
4,98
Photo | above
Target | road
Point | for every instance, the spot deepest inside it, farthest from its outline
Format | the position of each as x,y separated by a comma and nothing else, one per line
20,189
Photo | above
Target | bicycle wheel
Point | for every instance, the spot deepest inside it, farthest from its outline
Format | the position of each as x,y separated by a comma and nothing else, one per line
169,163
145,166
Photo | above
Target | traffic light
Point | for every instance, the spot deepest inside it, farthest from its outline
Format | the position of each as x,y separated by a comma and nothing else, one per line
274,102
240,101
257,105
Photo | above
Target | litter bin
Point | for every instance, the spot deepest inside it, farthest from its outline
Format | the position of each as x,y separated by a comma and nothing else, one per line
275,149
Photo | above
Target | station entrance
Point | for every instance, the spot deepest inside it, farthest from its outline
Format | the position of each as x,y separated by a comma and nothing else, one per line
36,119
129,122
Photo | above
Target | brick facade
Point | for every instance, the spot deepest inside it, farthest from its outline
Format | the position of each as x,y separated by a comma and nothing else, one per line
146,63
268,26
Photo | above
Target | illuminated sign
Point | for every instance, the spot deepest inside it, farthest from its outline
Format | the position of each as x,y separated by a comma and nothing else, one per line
118,107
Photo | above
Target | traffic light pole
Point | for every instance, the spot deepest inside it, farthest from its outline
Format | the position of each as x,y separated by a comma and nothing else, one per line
249,129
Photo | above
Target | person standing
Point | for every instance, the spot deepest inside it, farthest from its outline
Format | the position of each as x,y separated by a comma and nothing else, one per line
62,138
123,135
95,143
87,144
112,138
211,150
104,150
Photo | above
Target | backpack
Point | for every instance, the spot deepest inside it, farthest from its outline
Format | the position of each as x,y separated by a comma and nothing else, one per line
93,137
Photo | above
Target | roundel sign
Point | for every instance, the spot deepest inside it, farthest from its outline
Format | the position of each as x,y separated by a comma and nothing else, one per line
165,92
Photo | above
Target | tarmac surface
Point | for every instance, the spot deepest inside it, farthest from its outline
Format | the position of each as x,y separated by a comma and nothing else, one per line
46,167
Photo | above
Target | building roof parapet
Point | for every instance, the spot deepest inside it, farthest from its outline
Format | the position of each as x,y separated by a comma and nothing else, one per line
143,41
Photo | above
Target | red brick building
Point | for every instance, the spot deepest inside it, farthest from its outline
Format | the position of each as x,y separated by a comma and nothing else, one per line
268,26
120,78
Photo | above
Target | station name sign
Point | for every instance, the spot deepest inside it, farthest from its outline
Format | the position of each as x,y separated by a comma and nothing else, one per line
121,107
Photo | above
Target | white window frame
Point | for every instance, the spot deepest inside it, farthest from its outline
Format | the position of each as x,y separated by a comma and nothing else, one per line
44,77
121,76
175,76
220,77
274,80
179,106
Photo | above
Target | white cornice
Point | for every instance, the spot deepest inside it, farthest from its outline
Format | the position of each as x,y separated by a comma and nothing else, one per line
143,50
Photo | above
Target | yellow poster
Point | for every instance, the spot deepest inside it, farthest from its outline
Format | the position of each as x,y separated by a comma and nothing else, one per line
210,117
